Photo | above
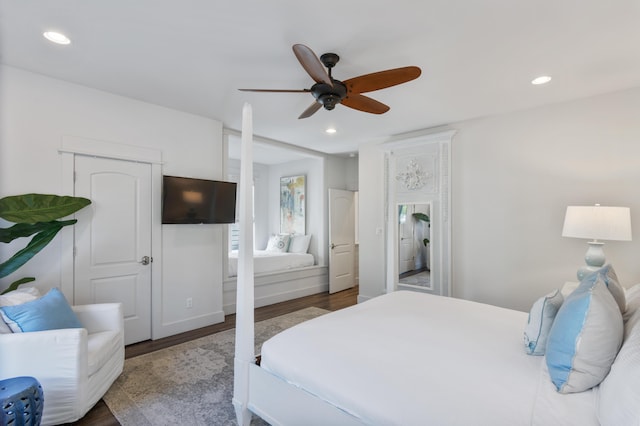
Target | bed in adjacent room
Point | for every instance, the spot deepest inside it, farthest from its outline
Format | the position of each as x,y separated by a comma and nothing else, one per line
408,358
265,261
284,270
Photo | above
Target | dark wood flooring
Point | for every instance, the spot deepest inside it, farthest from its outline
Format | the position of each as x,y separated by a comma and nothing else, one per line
100,415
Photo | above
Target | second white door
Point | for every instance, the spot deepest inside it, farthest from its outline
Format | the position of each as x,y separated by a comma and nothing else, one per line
341,240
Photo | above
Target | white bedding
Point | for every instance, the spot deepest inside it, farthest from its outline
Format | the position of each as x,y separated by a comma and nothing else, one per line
269,261
409,358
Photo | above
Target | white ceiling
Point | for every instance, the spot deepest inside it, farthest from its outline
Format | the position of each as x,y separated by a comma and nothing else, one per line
477,57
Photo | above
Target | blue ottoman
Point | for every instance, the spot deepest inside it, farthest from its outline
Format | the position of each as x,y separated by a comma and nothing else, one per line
21,402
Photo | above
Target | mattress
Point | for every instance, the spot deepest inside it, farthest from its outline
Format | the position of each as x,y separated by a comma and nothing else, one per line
269,261
409,358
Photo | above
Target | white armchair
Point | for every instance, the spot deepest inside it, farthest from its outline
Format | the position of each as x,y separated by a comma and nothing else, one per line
75,366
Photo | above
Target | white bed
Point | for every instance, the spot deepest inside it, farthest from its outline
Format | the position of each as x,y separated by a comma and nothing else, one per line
404,359
409,358
269,261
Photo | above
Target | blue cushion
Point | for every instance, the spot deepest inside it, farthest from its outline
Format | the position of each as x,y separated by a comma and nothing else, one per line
540,320
585,337
50,312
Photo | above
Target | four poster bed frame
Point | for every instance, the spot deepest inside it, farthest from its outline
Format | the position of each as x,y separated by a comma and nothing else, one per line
256,390
408,358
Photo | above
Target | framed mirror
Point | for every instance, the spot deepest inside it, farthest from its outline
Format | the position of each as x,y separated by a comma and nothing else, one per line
418,214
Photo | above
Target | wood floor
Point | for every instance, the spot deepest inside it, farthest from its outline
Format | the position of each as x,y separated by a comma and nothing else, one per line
100,415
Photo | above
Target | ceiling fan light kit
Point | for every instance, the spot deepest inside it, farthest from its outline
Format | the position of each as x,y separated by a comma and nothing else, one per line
329,92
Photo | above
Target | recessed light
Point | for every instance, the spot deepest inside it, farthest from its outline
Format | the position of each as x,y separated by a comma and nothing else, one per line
541,80
56,37
331,130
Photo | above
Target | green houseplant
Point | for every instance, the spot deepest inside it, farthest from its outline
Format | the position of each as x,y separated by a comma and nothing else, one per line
425,218
37,215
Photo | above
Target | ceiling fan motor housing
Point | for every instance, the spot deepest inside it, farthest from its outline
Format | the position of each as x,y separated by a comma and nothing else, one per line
329,96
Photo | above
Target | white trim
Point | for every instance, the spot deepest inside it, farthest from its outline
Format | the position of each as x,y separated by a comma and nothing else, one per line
279,286
278,144
99,148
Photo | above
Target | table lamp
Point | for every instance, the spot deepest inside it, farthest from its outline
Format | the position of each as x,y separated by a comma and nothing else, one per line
596,223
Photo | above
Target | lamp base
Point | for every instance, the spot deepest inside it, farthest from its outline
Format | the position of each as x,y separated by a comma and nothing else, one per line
594,259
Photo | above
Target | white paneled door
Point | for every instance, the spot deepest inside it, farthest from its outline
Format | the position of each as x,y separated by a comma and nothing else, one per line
112,260
341,240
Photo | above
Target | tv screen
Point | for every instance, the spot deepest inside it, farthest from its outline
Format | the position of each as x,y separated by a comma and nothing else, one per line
188,200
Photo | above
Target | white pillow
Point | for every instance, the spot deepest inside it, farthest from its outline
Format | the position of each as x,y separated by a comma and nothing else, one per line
540,320
613,284
632,296
278,243
299,243
619,392
19,296
585,337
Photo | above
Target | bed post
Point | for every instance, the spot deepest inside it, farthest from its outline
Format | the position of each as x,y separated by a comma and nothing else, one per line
244,354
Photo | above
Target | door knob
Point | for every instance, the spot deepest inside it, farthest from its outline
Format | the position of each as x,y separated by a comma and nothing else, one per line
333,246
146,260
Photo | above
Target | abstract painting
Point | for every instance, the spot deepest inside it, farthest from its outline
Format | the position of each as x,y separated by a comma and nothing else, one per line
292,205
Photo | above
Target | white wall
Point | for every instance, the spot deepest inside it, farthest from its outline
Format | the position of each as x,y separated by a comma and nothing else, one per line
261,198
512,177
37,111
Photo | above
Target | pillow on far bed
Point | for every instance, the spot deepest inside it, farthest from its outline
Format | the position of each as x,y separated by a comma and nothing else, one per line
541,317
299,243
585,337
278,243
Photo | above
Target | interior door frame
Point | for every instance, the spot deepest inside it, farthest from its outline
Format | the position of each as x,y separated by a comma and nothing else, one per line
72,146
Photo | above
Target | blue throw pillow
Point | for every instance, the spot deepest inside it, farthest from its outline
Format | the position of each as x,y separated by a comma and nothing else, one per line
585,337
541,317
50,312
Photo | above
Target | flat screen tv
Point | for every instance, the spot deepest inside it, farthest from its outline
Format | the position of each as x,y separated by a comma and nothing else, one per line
189,200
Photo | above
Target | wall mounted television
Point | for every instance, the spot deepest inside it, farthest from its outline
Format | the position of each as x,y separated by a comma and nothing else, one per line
189,200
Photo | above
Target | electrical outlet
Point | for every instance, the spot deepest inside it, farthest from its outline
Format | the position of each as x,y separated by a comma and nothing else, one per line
189,302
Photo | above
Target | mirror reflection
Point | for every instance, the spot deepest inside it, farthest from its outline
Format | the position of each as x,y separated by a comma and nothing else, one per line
414,245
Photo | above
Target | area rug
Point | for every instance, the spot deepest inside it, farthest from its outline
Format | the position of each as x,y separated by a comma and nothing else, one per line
190,383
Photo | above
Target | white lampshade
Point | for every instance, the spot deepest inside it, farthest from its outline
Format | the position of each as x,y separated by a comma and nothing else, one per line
598,223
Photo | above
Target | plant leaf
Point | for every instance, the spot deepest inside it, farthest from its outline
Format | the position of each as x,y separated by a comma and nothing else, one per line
14,285
37,243
20,230
421,216
32,208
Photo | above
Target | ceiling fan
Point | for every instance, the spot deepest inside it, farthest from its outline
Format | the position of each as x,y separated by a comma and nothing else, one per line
329,92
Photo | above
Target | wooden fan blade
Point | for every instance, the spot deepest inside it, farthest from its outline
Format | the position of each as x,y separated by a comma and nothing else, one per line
276,90
382,79
364,103
311,110
311,64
